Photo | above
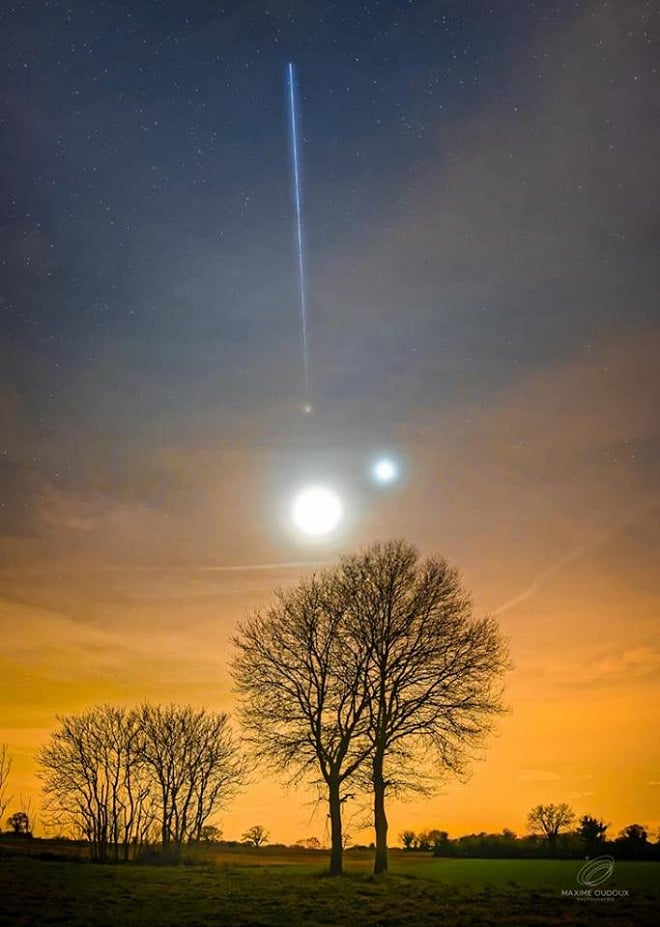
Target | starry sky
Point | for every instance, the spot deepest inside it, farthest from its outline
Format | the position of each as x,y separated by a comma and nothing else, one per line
480,220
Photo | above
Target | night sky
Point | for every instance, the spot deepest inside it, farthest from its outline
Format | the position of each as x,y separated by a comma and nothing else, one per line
480,218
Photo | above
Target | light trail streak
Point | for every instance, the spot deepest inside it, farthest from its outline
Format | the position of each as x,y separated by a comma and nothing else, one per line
300,252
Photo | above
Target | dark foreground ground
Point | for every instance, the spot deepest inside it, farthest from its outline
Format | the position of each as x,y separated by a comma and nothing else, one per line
259,890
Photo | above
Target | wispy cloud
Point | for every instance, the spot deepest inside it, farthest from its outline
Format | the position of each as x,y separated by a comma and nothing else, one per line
538,775
540,581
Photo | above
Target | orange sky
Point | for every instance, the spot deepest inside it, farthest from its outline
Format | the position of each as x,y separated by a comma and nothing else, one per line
541,496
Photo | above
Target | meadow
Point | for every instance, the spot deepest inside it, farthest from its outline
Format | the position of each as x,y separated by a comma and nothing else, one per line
266,888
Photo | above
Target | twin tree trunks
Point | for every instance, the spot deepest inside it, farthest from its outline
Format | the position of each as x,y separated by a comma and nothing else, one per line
375,673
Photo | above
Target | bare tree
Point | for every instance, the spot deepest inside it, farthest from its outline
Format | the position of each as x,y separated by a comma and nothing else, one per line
550,820
309,843
140,807
5,769
303,690
408,838
112,774
192,760
256,835
90,776
431,669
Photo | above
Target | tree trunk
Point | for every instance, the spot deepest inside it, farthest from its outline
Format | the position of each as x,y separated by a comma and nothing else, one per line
336,844
380,818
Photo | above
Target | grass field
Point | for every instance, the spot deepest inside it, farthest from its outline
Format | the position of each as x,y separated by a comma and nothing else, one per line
262,889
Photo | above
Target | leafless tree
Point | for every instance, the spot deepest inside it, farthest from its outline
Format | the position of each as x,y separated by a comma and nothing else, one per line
256,835
113,774
5,769
303,692
91,780
550,820
408,839
432,669
309,843
194,764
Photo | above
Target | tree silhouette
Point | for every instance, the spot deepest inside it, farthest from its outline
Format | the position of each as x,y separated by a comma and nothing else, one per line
592,832
114,775
635,833
431,669
194,764
423,841
633,840
256,835
19,822
303,691
407,838
309,843
551,819
91,779
5,769
437,838
376,662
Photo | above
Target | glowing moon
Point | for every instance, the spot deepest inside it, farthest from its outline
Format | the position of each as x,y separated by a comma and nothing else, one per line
317,511
385,470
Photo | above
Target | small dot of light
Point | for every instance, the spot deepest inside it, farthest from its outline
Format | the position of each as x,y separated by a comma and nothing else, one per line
385,470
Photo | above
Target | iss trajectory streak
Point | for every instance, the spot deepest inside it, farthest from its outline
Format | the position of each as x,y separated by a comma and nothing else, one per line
299,238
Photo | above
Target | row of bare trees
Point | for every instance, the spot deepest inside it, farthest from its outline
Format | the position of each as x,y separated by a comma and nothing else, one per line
372,677
126,778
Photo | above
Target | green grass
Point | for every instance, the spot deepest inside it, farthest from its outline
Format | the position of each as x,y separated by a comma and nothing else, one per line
262,889
525,873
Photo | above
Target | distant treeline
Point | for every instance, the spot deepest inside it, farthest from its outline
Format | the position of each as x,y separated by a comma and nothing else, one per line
632,844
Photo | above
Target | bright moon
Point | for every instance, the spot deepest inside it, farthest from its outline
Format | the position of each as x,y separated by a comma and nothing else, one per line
317,511
384,470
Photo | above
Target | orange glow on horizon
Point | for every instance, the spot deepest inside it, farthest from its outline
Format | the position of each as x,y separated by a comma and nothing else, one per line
570,581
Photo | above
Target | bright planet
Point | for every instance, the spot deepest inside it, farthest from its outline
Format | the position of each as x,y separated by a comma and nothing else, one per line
385,470
317,511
